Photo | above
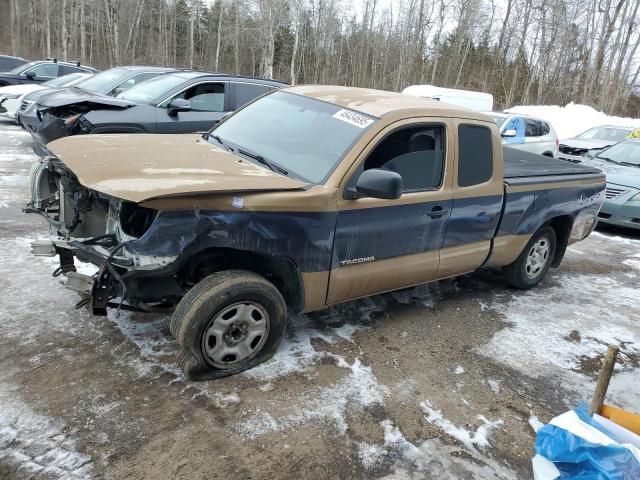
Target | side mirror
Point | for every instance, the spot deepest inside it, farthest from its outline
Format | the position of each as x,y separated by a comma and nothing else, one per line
178,105
30,75
510,133
378,183
117,91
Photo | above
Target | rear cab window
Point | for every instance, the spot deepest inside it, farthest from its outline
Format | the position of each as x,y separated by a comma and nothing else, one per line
475,155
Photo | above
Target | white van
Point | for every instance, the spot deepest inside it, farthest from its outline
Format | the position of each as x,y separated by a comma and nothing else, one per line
478,101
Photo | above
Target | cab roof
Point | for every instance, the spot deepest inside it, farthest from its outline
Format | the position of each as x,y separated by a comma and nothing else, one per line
379,103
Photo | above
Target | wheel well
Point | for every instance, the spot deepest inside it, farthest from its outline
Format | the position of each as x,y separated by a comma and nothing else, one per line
280,271
548,154
562,226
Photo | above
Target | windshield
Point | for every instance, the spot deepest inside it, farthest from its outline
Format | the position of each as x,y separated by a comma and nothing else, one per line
103,82
152,90
499,120
626,153
304,136
23,67
614,134
62,81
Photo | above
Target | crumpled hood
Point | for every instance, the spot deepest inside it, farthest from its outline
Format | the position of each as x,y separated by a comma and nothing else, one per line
586,144
618,174
74,95
139,167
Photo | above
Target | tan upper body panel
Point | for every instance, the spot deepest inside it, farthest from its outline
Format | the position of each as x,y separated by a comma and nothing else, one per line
139,167
380,103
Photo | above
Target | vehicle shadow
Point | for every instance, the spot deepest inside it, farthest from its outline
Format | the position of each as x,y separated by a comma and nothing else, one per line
619,231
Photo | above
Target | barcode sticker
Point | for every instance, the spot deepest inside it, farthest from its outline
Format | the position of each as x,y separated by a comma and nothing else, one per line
360,121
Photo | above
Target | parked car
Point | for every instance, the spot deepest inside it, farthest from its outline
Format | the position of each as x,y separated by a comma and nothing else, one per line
477,101
107,83
621,164
8,62
304,198
178,102
589,143
11,96
527,133
41,71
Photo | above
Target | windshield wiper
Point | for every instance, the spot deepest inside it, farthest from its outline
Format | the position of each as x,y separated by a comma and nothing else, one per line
630,164
272,166
219,140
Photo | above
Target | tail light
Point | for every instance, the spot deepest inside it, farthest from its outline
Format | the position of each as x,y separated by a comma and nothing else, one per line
557,142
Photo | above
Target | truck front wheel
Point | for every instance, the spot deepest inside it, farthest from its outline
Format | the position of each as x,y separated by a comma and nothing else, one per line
229,322
534,262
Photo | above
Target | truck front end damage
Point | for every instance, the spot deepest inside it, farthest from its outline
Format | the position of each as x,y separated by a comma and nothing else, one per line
97,228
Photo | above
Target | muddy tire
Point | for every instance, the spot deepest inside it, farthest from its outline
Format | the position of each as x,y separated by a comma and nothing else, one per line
229,322
534,262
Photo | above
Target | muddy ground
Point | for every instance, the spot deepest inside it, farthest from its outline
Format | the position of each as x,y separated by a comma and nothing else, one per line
440,381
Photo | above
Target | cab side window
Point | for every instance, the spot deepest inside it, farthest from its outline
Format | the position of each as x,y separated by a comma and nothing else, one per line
205,97
534,128
67,69
475,155
416,153
49,70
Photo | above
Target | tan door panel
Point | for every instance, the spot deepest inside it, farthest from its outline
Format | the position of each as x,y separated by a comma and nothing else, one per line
384,245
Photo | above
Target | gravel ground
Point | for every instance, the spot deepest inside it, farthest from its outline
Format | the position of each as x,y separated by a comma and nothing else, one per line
439,381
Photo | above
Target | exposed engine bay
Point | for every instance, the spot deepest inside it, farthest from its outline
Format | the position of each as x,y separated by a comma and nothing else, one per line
90,226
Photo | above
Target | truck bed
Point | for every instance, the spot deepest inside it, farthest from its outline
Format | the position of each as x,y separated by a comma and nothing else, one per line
523,167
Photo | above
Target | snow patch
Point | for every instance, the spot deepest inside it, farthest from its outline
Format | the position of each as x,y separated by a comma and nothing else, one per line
429,459
359,388
535,423
459,370
494,385
480,438
34,444
555,330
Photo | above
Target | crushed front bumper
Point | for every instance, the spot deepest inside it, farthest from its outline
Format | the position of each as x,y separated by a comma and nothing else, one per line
97,291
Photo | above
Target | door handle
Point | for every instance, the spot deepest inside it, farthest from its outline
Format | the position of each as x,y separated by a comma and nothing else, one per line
437,212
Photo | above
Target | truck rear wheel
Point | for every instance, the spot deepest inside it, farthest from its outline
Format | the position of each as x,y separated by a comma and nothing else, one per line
534,262
229,322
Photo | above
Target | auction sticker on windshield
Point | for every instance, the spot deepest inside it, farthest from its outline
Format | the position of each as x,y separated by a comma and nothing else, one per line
354,118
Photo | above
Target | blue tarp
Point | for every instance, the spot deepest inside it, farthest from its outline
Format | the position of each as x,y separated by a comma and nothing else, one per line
597,457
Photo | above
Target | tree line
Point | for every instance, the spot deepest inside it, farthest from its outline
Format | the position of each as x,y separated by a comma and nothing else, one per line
521,51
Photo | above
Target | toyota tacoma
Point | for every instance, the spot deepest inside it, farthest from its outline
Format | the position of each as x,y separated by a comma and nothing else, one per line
306,197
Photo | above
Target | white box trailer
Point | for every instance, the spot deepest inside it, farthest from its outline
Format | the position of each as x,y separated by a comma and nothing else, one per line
478,101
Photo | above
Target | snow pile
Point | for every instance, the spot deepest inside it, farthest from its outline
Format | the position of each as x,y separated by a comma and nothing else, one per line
480,438
573,119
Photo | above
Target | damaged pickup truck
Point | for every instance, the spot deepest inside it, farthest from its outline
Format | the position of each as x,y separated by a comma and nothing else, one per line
306,197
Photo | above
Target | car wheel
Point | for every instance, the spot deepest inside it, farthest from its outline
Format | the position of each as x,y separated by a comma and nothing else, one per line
534,261
227,323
